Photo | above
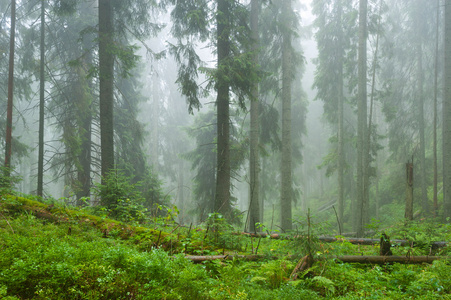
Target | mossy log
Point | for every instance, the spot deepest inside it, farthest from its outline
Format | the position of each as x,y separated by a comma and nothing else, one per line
381,260
357,241
202,258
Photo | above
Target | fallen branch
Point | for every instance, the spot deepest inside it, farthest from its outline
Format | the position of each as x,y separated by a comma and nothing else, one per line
202,258
381,260
358,241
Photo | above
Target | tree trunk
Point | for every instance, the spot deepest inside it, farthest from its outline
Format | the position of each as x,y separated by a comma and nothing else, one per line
222,197
85,112
155,122
362,146
286,171
254,158
420,118
9,110
40,188
409,191
340,96
382,260
434,143
106,79
446,127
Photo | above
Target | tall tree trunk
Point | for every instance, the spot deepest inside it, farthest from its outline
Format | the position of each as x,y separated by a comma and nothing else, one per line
372,108
85,130
340,97
222,197
420,107
362,147
286,170
9,111
155,121
254,160
447,116
40,188
106,78
434,144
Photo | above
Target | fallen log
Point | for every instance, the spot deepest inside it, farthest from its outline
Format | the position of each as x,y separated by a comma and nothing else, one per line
381,260
202,258
362,259
357,241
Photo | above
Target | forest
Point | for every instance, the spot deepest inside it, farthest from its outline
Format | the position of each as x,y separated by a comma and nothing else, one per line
227,149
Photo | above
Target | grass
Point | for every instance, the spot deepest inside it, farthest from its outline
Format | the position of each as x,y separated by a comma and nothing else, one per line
56,252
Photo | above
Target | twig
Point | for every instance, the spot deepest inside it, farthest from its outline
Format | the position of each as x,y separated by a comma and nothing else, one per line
8,223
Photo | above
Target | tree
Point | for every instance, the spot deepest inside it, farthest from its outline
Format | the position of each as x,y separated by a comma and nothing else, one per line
192,21
362,146
333,40
106,81
254,157
420,29
286,193
39,191
222,197
9,118
447,116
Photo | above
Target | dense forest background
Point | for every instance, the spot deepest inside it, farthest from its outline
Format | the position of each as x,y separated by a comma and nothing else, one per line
261,111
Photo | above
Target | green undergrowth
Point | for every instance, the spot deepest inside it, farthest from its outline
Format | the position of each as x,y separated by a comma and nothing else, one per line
56,252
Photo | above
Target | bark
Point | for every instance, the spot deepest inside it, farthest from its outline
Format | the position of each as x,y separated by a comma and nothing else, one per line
434,144
286,170
446,127
155,122
85,120
254,165
106,78
355,241
385,245
341,158
304,264
420,107
381,260
40,188
222,197
9,110
202,258
362,147
409,192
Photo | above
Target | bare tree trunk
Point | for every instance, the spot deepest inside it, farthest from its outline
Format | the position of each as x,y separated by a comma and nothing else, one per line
362,147
155,121
40,188
106,79
254,158
434,144
286,168
222,197
409,191
340,96
85,120
446,127
420,118
9,113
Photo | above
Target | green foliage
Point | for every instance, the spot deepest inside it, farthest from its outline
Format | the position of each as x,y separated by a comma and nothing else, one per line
71,259
7,180
120,198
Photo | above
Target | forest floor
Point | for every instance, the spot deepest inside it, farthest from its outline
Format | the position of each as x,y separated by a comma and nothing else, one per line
52,251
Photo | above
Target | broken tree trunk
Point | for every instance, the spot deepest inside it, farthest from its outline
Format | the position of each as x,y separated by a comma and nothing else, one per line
304,264
409,191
